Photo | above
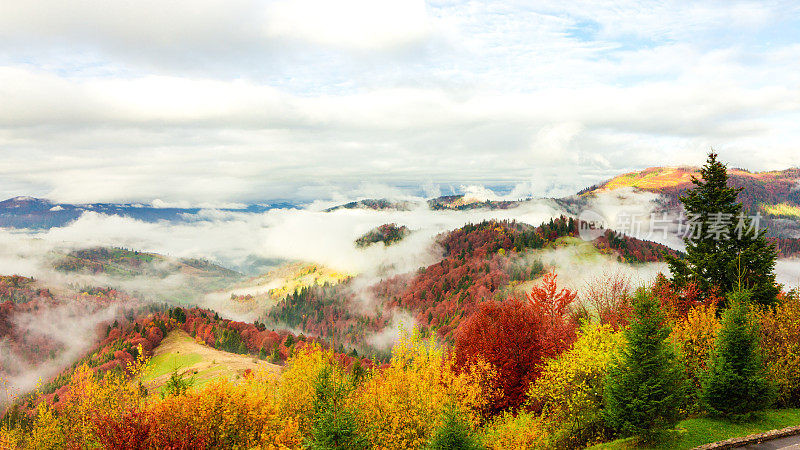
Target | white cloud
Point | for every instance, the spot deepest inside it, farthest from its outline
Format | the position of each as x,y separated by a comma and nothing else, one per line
214,102
358,24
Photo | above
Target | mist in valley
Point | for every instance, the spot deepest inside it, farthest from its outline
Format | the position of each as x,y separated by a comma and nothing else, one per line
253,243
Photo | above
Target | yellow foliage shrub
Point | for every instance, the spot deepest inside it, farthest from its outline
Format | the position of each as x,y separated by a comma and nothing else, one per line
88,395
298,381
109,409
570,388
780,327
694,340
47,431
401,406
520,432
9,439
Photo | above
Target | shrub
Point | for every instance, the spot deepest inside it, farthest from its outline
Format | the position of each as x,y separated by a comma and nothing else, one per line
643,391
177,384
335,424
298,384
694,339
736,383
570,389
10,438
515,432
608,296
402,405
780,327
222,415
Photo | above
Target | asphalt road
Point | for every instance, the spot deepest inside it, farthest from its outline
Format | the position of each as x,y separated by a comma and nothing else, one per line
787,443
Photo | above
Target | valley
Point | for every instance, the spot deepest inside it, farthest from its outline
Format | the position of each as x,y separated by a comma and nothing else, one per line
194,322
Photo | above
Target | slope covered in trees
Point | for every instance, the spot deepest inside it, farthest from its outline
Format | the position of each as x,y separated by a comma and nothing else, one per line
774,195
123,262
27,336
479,261
484,365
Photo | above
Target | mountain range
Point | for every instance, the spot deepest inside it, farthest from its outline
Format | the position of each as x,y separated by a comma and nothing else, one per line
38,213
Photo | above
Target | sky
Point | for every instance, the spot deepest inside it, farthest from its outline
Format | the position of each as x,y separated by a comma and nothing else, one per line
212,102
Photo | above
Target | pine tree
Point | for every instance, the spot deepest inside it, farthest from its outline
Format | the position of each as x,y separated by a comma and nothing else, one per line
736,383
454,433
644,388
722,248
335,425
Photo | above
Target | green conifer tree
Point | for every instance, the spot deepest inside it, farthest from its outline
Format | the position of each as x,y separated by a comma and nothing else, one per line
454,433
723,249
644,388
335,425
736,383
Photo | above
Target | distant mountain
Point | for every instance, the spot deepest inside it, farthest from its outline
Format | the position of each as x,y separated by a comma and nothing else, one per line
450,202
464,202
131,263
123,267
37,213
775,195
379,204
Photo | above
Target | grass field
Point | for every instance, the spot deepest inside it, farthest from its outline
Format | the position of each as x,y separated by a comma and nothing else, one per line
694,432
179,352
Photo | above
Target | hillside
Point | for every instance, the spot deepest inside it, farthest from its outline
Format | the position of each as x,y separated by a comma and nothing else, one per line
388,234
379,204
504,289
196,340
775,195
38,323
129,263
267,289
479,262
464,202
181,353
159,273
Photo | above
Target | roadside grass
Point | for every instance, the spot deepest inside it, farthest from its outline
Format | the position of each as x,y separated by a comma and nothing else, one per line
691,433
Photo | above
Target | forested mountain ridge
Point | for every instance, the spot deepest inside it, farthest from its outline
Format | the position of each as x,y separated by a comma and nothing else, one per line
775,194
479,262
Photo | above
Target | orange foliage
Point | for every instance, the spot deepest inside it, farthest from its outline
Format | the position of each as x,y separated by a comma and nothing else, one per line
547,298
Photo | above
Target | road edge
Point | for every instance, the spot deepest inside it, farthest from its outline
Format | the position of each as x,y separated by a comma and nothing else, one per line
751,439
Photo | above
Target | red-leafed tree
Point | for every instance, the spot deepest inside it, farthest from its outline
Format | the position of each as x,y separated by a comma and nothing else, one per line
516,336
676,303
609,297
547,297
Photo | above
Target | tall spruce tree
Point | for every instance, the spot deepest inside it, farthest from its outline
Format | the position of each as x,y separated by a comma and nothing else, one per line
736,383
723,248
644,387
